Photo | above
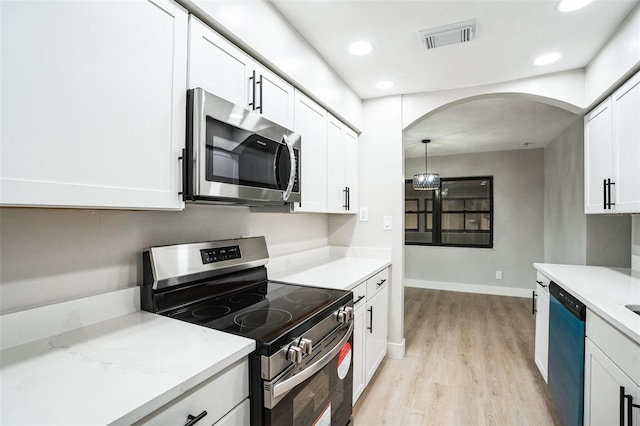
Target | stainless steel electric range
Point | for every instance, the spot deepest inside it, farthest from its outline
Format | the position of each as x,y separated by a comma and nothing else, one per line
300,372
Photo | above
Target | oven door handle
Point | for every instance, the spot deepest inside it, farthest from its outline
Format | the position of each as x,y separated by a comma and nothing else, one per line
292,174
291,383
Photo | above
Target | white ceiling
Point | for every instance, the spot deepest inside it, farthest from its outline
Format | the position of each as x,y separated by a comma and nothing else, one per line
510,34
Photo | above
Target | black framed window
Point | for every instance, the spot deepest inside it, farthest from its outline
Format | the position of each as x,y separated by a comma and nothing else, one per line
459,213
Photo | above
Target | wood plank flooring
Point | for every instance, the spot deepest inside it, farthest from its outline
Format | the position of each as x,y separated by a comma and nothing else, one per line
468,361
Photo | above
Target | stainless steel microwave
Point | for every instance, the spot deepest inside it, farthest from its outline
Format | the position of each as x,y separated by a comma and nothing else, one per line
236,156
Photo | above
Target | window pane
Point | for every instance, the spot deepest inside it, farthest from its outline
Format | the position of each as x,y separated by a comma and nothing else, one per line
411,221
452,221
429,221
411,205
477,221
477,204
466,238
452,205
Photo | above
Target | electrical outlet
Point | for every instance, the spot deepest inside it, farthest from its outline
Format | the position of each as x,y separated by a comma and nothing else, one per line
498,275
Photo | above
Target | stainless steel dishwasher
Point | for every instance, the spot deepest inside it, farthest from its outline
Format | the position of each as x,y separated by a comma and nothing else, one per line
566,354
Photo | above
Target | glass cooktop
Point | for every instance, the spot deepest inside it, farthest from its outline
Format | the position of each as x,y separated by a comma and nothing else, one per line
263,312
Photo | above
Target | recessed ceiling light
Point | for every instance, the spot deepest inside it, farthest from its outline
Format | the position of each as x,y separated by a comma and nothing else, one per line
360,48
384,85
546,59
571,5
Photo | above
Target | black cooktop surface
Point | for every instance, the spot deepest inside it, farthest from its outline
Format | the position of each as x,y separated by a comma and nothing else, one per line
263,312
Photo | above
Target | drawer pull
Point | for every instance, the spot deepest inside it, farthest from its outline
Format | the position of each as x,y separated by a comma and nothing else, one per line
381,282
542,285
358,300
191,420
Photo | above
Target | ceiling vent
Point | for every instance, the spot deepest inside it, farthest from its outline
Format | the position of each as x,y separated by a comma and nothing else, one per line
461,32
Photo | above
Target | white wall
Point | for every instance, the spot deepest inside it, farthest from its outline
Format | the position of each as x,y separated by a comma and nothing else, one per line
635,243
618,59
51,255
260,29
380,163
564,90
518,185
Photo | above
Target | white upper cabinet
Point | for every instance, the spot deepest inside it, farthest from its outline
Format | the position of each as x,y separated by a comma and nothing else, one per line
311,124
93,104
221,68
598,157
275,97
626,145
612,152
218,66
342,167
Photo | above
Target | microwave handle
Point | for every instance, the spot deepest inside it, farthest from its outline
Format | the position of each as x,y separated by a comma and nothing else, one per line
292,175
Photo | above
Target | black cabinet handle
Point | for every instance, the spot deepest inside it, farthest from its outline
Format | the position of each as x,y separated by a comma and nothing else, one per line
609,183
542,285
358,300
346,198
193,420
370,328
252,104
381,282
261,99
533,303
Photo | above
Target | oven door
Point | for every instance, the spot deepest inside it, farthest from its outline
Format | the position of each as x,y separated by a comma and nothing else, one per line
319,394
237,156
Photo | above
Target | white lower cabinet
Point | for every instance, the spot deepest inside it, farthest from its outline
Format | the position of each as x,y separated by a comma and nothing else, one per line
359,339
542,325
611,375
603,382
370,329
224,397
94,103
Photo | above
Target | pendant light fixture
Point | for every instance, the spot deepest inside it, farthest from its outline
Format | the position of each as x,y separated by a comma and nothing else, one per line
426,181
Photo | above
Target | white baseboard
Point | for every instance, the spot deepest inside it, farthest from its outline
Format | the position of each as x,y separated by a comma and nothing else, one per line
395,350
470,288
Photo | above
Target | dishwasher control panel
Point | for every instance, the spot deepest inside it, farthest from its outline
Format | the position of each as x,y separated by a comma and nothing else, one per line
576,307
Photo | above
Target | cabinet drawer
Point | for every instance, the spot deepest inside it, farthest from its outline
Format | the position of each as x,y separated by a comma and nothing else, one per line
624,352
377,282
217,395
239,416
359,295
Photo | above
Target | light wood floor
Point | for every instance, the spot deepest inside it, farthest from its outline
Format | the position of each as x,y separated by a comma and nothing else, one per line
468,361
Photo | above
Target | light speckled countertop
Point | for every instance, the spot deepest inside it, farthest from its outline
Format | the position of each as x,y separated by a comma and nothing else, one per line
114,370
342,273
604,290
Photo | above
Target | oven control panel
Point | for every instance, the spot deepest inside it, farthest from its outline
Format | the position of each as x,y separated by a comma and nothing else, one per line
220,254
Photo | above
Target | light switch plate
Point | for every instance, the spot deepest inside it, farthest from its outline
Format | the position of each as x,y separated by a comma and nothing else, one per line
386,223
364,214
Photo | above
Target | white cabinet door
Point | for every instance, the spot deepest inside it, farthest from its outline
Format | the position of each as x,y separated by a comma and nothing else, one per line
275,98
598,157
218,66
342,167
94,101
359,382
351,169
626,146
311,124
602,383
542,329
336,189
376,332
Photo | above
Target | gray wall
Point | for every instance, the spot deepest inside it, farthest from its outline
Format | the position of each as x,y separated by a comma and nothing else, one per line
518,223
51,255
570,235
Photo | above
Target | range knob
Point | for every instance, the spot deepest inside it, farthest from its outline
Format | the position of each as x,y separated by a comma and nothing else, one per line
344,314
294,354
306,345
